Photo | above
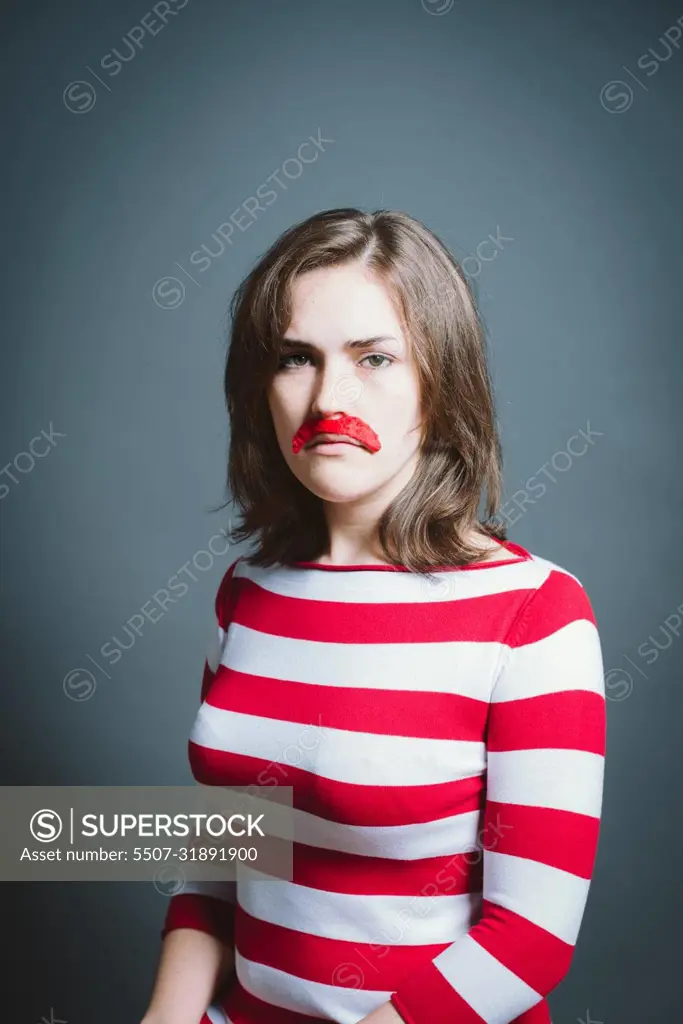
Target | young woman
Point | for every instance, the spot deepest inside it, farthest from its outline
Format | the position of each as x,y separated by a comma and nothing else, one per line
432,691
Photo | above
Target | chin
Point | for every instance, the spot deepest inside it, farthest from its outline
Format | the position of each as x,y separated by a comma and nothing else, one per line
329,485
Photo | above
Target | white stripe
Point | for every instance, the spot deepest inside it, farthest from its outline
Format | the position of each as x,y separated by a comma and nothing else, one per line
497,994
362,758
382,586
549,897
440,838
550,665
221,890
566,780
382,920
339,1000
547,566
453,666
215,645
217,1015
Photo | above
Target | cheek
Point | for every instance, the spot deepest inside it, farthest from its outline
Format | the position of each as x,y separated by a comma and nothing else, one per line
395,413
276,403
284,415
275,408
399,435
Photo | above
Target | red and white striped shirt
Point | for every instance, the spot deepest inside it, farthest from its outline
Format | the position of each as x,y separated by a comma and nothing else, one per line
445,741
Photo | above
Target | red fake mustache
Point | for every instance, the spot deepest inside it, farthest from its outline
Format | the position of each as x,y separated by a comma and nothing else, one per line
348,426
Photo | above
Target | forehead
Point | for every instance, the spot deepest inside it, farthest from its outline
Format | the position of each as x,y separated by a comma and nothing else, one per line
331,304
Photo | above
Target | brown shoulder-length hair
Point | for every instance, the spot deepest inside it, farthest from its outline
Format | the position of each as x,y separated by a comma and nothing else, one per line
425,525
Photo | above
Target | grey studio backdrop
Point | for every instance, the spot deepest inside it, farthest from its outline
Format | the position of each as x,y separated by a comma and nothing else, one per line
542,143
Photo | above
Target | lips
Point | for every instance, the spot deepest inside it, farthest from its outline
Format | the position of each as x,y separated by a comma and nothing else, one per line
344,428
331,439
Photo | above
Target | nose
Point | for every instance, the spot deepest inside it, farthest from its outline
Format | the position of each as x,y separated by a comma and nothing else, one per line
333,391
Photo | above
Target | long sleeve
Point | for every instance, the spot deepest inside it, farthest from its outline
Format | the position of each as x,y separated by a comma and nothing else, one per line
209,906
546,738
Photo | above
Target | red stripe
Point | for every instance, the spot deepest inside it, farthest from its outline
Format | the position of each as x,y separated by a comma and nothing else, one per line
535,955
226,596
343,802
568,719
417,713
244,1008
562,839
203,913
208,677
481,619
485,618
353,874
559,601
426,997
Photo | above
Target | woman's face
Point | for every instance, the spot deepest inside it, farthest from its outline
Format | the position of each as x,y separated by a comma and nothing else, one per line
377,385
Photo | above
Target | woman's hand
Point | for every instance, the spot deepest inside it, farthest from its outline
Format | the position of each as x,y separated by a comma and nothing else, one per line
384,1014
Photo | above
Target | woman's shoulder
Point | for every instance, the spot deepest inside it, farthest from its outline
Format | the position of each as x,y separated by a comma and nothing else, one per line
541,574
556,597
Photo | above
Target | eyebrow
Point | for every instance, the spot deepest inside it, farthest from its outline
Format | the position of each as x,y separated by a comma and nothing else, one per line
352,343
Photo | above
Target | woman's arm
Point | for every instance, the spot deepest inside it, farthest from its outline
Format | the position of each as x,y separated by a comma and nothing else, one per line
193,967
197,955
545,763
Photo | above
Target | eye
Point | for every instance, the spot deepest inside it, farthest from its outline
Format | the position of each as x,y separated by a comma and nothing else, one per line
378,355
284,362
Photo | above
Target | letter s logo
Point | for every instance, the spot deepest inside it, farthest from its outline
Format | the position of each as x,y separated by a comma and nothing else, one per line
46,825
